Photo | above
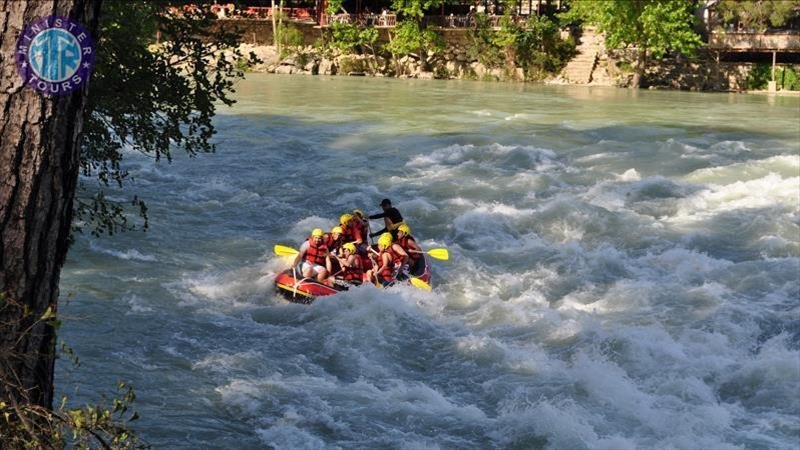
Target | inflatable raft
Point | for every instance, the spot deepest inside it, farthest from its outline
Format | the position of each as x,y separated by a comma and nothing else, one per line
296,289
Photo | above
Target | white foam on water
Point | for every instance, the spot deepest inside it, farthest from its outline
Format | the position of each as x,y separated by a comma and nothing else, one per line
649,301
130,254
770,191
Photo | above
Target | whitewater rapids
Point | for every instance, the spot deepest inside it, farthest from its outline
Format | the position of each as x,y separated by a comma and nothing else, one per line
623,275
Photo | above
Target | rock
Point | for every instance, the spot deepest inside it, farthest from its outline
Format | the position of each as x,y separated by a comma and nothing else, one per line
497,74
311,67
479,69
284,69
326,67
425,75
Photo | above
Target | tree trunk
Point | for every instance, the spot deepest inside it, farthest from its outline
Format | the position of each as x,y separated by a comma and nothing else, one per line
274,28
280,29
641,64
39,173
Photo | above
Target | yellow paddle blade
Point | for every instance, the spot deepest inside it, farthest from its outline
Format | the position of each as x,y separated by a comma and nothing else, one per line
282,250
439,253
416,282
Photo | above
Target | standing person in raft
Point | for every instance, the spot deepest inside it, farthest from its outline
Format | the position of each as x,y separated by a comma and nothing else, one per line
391,217
314,254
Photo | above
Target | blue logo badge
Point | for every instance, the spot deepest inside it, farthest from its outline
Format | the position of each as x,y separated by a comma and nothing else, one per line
55,55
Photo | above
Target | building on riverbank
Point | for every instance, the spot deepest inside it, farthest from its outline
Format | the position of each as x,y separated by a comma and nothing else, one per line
728,62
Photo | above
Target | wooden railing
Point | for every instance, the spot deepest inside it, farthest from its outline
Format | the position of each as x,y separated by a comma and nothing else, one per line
754,42
368,20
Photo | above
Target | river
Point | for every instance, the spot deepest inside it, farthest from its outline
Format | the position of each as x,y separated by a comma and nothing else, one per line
623,273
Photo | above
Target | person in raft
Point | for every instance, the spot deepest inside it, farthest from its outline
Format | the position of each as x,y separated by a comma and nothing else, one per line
351,229
407,242
391,217
334,240
314,254
352,270
363,224
389,256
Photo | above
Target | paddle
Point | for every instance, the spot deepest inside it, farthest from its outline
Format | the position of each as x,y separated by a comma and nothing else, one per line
438,253
282,250
417,283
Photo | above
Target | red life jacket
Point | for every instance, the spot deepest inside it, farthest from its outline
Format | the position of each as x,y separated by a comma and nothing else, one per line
316,254
354,273
334,244
388,272
362,228
403,242
352,232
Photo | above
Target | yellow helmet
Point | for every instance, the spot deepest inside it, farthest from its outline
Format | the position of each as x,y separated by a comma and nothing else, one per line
404,228
346,218
316,232
350,246
387,236
384,243
337,230
358,213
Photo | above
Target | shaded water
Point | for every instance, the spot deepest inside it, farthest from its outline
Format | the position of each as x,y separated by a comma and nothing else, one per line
624,273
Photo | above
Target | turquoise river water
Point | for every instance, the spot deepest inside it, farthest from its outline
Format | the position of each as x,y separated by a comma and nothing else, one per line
623,275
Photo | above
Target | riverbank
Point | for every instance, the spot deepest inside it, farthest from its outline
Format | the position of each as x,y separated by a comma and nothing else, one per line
698,74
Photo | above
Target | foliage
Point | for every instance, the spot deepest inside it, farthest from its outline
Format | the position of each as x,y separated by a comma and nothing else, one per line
334,6
415,9
653,26
786,77
483,46
410,38
171,92
758,15
23,424
349,38
656,26
537,46
291,39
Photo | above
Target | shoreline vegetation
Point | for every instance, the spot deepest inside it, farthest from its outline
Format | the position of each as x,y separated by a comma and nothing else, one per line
308,61
664,44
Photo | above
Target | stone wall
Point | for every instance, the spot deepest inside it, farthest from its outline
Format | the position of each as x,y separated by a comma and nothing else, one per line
702,73
259,32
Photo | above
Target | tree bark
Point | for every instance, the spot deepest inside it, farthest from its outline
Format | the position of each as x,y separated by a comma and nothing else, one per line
274,27
641,64
39,173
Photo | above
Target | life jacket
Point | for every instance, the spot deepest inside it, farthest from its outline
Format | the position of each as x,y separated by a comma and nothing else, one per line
395,226
334,245
354,273
388,272
316,254
403,242
352,232
362,228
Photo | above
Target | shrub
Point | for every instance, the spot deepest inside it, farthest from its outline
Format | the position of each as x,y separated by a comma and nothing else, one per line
760,76
291,39
349,38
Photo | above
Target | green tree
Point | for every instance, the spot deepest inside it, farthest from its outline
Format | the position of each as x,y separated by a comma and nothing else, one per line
349,38
758,15
415,9
150,97
171,92
652,26
411,36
